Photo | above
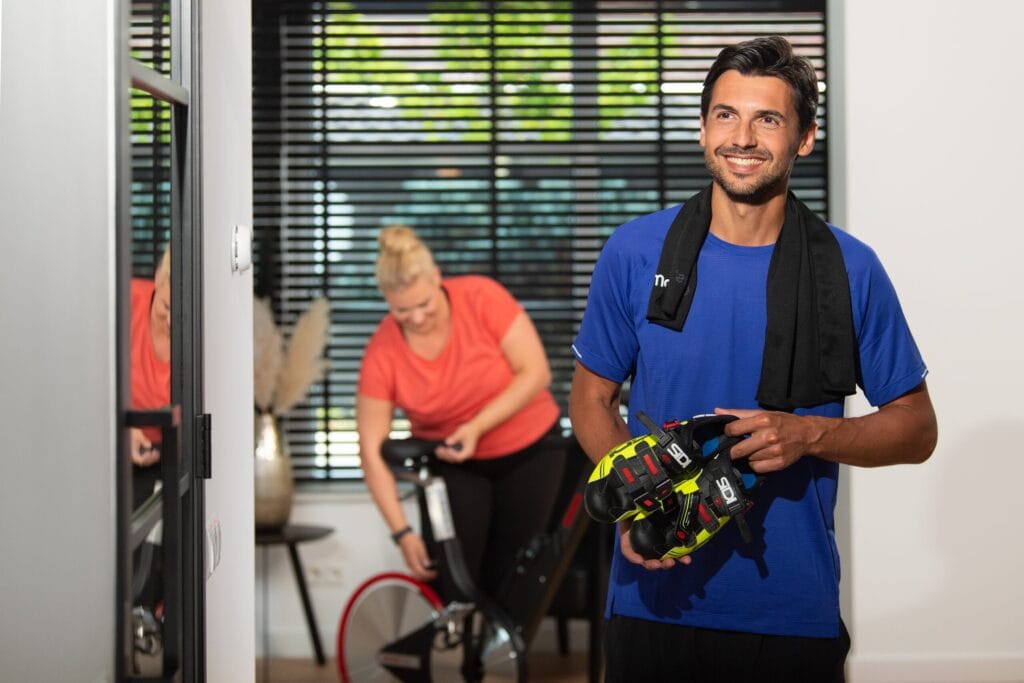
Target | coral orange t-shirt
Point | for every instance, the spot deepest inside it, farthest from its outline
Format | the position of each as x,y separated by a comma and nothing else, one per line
440,394
151,377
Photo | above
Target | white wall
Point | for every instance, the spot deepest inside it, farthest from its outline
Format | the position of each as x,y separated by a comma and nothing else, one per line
928,170
335,566
57,374
226,114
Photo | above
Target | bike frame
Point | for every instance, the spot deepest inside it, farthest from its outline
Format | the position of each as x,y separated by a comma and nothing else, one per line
523,600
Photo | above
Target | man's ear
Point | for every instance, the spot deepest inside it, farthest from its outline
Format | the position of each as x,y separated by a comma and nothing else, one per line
807,140
701,130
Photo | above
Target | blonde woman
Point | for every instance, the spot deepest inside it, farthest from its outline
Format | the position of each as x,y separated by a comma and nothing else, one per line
464,362
150,339
151,356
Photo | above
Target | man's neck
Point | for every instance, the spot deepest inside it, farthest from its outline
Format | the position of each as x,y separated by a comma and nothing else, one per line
747,225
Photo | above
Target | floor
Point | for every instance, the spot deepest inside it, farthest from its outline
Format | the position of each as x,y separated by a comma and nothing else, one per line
544,667
544,663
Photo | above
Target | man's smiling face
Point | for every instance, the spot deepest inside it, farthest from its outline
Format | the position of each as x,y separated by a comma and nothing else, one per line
751,136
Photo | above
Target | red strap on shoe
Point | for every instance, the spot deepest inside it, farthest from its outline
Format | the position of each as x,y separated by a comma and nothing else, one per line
643,478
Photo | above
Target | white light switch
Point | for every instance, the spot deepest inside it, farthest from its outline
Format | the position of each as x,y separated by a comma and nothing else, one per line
241,248
213,544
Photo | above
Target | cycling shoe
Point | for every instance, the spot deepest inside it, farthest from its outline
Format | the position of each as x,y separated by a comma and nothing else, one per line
640,475
697,511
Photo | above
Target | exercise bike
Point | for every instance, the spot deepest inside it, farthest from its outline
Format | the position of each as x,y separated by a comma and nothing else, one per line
395,627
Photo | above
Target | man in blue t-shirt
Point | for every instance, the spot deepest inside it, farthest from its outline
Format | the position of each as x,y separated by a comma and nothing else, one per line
743,302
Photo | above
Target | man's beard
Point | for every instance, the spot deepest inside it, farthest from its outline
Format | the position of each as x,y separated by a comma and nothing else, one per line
757,190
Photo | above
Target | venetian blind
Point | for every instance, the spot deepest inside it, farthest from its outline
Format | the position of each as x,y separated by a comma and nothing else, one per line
150,140
513,136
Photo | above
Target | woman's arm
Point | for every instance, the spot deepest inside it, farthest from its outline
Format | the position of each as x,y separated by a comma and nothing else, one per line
531,374
373,420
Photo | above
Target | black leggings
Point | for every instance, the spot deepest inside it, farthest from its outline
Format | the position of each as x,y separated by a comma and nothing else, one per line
640,650
497,506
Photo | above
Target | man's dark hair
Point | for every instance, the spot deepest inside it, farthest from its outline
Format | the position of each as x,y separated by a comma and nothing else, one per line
768,56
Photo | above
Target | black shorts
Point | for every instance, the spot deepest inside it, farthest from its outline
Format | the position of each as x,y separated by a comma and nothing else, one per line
639,650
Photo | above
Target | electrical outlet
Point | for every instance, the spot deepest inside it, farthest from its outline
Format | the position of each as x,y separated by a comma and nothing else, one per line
213,544
325,574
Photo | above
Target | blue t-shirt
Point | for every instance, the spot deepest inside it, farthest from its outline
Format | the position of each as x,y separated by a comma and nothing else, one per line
786,581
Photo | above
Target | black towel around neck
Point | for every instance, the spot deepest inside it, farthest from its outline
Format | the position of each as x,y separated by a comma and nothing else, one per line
810,355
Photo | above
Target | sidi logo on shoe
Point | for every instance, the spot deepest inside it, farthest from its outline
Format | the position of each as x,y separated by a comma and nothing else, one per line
728,493
678,454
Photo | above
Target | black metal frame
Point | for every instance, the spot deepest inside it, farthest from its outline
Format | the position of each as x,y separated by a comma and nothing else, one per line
175,482
183,463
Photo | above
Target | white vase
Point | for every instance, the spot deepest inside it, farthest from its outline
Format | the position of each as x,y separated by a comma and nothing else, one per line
275,486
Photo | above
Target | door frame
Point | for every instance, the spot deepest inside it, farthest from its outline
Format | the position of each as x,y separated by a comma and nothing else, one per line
183,506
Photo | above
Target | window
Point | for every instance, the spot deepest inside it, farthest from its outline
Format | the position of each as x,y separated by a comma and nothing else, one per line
150,140
513,136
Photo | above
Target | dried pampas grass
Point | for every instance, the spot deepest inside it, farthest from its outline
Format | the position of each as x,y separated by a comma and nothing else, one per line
303,362
267,354
283,376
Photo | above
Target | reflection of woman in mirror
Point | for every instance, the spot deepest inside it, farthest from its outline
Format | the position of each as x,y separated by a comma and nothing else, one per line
151,389
151,357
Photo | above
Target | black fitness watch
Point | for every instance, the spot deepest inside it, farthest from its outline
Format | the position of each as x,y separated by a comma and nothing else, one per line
397,536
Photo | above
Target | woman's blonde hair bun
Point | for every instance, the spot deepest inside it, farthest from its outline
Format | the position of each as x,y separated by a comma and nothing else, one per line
403,258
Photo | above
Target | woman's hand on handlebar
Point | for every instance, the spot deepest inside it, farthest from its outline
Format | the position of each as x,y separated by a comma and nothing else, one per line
144,452
460,445
414,551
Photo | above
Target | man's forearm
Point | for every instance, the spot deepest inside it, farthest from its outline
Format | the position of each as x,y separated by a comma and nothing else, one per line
901,432
595,418
597,430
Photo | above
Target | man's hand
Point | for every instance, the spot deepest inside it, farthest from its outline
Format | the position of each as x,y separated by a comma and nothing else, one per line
902,431
636,558
776,441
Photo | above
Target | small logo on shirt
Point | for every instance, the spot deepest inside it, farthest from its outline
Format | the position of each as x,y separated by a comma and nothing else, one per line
663,280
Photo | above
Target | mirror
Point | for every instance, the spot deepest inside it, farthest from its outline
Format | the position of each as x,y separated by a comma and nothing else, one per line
150,362
151,275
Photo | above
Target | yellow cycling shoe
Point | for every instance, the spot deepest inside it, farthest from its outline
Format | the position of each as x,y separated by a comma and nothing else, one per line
640,475
699,508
